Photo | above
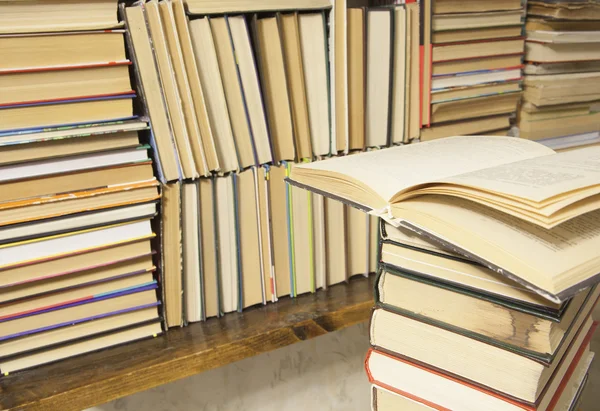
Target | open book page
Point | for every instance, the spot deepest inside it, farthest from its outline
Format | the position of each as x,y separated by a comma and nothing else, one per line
397,169
552,260
539,179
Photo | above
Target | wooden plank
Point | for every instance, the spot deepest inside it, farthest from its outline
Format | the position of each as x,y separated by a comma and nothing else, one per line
103,376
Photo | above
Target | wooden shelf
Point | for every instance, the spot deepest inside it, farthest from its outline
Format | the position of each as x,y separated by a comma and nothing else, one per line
103,376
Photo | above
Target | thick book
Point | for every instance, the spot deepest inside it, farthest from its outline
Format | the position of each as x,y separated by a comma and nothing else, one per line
469,187
67,82
356,77
313,46
294,66
193,275
265,233
33,16
406,253
551,52
209,256
483,33
380,34
169,89
195,87
187,109
461,21
414,380
235,94
77,202
58,147
207,59
166,154
336,238
282,248
399,110
227,244
40,249
81,347
245,6
88,327
85,47
478,49
250,246
273,76
479,126
507,371
249,81
171,261
52,113
566,399
83,220
564,11
70,164
398,292
479,90
474,6
475,107
79,311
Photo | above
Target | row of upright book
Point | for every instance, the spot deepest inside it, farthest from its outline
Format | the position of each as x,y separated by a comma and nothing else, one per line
251,92
488,272
85,263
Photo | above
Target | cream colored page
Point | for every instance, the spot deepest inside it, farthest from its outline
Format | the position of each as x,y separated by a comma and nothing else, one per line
540,178
397,169
519,247
461,273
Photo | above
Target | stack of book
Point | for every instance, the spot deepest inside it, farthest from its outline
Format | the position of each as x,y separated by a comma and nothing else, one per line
235,101
562,74
77,189
477,49
485,290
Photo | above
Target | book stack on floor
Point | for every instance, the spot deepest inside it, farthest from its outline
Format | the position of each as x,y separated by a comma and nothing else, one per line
477,49
562,74
237,98
486,288
77,189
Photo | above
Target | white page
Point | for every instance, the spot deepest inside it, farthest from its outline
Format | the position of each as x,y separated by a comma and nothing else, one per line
541,178
516,246
397,169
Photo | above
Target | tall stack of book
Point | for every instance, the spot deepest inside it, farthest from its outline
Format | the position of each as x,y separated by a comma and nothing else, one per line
477,49
485,289
77,189
236,97
562,75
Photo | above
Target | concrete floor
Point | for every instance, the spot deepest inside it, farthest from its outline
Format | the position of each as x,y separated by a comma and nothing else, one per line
324,374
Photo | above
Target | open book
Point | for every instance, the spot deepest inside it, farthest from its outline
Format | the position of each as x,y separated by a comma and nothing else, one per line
514,205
